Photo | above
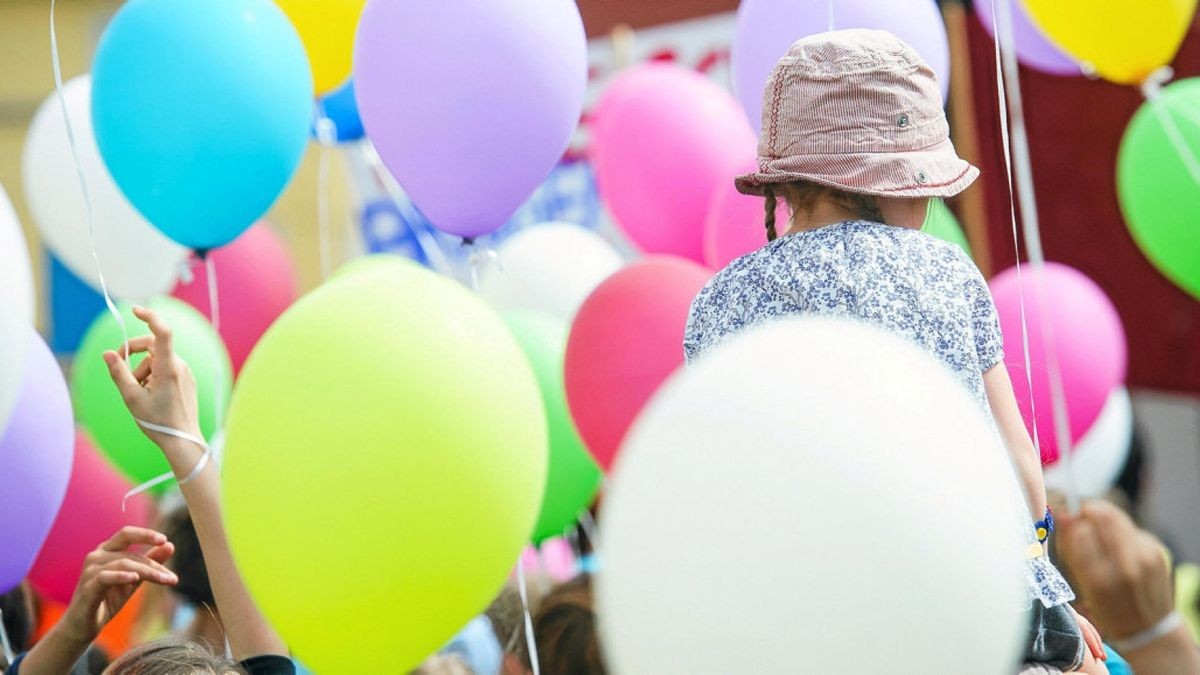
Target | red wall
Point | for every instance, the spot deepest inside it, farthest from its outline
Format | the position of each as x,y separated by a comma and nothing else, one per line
1075,127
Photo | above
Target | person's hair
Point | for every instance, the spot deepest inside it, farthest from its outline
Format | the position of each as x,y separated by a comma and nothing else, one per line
172,656
18,618
802,197
188,561
565,630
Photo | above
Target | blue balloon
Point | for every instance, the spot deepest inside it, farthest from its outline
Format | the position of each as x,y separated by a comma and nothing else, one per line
201,110
341,109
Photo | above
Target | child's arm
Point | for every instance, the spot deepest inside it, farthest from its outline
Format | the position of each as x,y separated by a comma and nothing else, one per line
1025,459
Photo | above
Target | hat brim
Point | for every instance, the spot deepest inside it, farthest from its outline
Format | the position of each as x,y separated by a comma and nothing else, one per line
936,171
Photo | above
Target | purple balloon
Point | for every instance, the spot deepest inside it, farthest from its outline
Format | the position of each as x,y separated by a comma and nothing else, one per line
36,451
1033,49
470,103
767,28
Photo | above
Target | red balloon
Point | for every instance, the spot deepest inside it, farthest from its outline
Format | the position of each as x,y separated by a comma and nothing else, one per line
736,223
256,281
626,339
90,513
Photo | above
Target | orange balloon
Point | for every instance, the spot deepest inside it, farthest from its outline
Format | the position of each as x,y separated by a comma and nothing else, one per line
116,637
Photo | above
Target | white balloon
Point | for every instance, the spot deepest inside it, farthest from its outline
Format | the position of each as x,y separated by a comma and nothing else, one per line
138,260
550,268
16,273
1100,455
816,496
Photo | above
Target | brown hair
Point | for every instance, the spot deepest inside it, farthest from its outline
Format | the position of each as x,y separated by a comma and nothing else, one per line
172,656
802,196
565,629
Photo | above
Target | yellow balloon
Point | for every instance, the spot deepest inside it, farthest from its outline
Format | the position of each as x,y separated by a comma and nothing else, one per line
327,29
1123,40
385,459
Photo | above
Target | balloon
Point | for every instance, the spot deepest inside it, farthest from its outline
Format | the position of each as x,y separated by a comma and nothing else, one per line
327,29
1033,49
116,636
626,339
256,281
768,514
942,224
138,261
202,111
103,413
16,273
1112,35
573,477
1156,188
767,28
92,511
492,92
548,268
1089,341
413,434
735,224
341,109
35,460
1099,457
668,137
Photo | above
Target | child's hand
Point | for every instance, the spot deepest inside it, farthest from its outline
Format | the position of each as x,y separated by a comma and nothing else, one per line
1091,636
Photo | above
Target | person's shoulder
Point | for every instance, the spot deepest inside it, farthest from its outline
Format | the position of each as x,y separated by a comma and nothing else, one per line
268,664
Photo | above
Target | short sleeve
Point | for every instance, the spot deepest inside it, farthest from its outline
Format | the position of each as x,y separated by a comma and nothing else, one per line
268,664
693,334
985,322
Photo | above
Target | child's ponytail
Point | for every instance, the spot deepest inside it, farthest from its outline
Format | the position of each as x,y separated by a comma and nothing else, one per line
770,206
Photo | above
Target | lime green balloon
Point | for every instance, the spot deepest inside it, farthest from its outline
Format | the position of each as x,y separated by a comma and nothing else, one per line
384,463
98,404
942,224
371,262
1159,193
573,476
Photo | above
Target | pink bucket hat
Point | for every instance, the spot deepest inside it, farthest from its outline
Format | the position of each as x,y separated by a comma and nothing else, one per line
860,111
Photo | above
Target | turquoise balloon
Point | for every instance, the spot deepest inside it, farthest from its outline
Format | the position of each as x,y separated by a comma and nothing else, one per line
201,110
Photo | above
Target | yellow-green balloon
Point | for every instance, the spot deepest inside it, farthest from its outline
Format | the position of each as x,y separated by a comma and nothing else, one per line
573,476
384,464
98,404
1159,191
942,224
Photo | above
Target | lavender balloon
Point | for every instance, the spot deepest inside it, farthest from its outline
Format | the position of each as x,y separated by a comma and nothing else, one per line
36,450
766,28
1033,48
470,103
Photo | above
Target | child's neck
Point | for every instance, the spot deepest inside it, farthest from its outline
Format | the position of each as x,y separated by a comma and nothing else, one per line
822,214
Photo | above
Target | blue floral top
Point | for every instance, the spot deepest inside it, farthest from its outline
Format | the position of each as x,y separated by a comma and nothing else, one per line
905,281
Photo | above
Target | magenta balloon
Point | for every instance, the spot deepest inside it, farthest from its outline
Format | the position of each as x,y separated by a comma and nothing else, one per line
736,223
91,513
256,281
767,28
35,461
470,103
1033,49
1089,341
666,138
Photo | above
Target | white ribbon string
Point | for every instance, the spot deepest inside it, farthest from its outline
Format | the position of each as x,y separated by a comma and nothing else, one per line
530,642
1008,82
480,258
83,187
1152,90
326,137
214,302
158,480
829,13
9,655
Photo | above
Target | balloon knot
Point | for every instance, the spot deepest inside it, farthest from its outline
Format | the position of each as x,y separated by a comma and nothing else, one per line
468,242
201,254
1152,86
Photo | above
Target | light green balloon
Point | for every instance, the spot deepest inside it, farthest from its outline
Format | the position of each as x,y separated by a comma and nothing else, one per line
1159,194
98,404
385,459
942,224
573,476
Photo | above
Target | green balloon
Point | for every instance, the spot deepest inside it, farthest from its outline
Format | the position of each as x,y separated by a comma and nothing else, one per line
1159,194
573,476
98,404
942,224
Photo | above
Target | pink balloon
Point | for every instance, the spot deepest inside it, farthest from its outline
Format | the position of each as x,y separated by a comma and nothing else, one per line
1089,342
626,339
1033,49
736,223
256,281
664,138
90,513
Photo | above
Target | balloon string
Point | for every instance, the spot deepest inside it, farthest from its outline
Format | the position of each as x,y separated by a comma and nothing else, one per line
1009,82
829,13
326,137
530,642
83,187
480,258
158,480
214,302
429,246
5,643
1152,90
